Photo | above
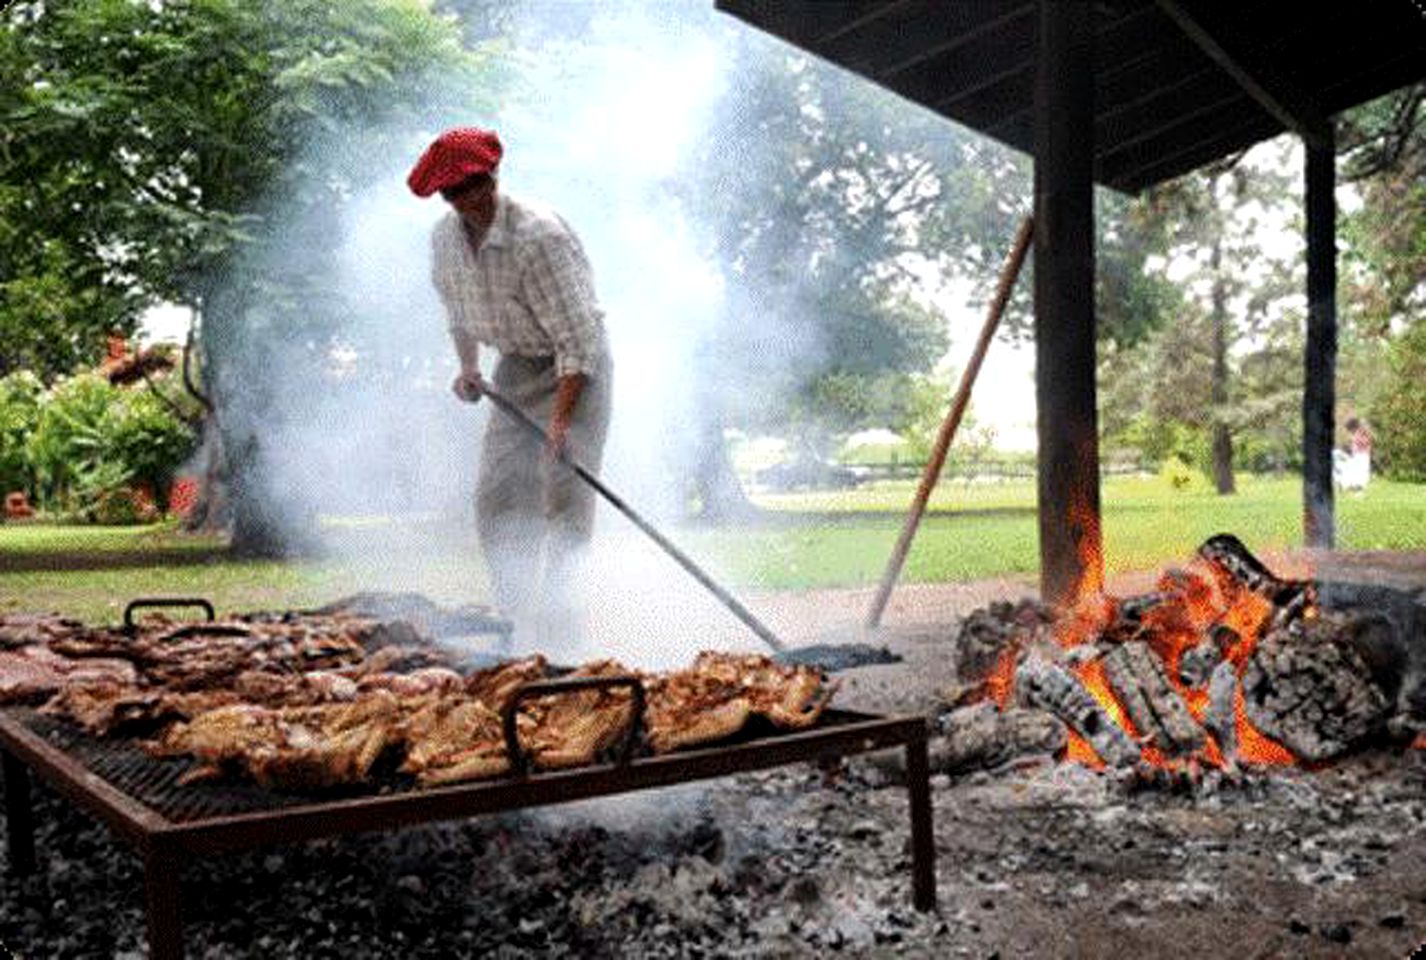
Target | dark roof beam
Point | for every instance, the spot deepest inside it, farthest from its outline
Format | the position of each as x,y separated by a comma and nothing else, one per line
1188,155
945,76
892,42
1023,72
1114,135
958,40
868,17
1290,108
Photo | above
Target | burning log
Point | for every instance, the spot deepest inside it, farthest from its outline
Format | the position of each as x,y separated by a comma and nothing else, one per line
1158,712
1053,688
987,636
1306,687
1197,664
1231,559
1221,718
981,737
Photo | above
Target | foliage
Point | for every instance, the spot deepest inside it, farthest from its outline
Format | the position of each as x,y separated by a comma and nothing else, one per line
827,205
1383,144
1220,385
1399,415
1179,475
149,439
20,394
68,442
203,152
91,442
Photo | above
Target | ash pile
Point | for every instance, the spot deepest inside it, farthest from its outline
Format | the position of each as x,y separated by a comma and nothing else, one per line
1224,666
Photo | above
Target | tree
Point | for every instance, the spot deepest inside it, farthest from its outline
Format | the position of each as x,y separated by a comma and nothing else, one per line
201,152
1383,145
1218,369
830,208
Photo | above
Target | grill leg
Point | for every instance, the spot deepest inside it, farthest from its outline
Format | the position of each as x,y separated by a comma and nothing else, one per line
162,907
18,815
923,841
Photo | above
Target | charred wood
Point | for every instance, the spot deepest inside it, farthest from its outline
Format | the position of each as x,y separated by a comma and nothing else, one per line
1197,664
1157,710
989,634
981,737
1221,718
1308,688
1231,558
1050,687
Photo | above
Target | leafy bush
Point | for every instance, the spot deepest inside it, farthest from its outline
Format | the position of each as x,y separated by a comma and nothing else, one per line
20,395
1399,415
94,447
148,439
1180,475
69,436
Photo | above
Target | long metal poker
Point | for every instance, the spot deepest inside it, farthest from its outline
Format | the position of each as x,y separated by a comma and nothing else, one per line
684,561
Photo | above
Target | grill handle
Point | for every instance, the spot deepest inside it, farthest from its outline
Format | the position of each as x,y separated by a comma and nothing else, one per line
146,602
519,763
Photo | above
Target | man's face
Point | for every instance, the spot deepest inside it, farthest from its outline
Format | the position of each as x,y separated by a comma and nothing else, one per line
474,199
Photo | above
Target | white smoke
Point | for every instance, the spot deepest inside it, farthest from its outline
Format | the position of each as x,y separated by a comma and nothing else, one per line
596,130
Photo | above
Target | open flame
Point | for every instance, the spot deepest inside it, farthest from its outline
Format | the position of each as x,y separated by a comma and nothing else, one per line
1203,605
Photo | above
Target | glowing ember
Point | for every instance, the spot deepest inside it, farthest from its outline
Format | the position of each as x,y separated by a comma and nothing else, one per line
1420,743
1078,750
1001,682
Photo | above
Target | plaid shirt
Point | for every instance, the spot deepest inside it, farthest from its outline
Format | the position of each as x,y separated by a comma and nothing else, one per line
528,290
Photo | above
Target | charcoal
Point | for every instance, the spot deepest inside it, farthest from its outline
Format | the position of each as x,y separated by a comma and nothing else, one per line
1045,685
1307,688
1158,712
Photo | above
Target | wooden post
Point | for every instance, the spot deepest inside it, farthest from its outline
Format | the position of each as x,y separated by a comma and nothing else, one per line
923,830
1071,558
932,473
19,815
1319,394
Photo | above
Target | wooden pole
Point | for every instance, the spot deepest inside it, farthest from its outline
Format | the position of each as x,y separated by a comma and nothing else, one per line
1071,540
1320,356
1008,274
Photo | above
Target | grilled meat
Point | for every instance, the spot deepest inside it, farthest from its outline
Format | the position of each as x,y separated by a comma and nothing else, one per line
721,692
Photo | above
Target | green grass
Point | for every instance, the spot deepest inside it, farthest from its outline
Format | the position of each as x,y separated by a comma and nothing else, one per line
800,541
984,530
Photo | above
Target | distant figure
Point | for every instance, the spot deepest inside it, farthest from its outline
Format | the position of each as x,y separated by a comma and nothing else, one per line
1353,467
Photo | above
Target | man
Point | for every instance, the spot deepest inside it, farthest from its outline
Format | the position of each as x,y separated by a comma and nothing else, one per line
516,278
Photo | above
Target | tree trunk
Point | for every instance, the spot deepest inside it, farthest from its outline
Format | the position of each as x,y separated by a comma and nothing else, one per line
1222,436
717,492
238,490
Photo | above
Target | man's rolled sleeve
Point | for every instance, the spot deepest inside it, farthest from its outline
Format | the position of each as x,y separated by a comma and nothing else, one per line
559,287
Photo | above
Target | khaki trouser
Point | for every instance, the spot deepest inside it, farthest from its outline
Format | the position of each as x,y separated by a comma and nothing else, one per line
534,517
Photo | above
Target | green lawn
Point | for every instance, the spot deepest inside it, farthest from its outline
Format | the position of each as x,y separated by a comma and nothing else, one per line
800,541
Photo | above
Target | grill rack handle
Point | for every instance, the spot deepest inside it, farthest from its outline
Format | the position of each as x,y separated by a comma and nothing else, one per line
520,763
145,602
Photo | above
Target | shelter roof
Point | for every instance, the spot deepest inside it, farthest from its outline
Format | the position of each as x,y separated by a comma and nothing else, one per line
1178,83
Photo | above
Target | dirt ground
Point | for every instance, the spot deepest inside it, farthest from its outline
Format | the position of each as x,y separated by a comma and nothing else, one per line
1041,859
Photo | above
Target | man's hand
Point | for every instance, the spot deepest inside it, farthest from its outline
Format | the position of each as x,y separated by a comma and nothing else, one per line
567,391
556,439
469,386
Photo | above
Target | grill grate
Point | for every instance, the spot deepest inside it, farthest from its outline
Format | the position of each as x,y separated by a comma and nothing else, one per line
153,781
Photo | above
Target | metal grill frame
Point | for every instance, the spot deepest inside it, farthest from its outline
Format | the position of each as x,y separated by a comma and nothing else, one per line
165,844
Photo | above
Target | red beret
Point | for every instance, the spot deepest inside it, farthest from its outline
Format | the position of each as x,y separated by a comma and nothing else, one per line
458,153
